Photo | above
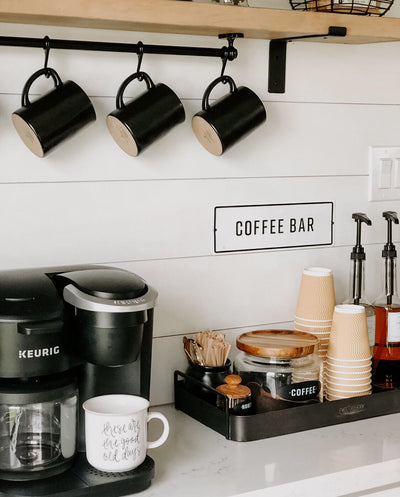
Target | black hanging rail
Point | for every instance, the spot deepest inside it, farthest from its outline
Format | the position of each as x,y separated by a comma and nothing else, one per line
229,52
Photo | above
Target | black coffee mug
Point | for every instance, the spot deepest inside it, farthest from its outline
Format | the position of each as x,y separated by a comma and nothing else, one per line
53,117
136,125
227,120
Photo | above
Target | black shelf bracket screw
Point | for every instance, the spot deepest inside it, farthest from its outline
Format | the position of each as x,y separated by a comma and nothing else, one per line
277,57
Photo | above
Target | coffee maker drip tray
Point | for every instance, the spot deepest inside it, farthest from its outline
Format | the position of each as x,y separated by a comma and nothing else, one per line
83,480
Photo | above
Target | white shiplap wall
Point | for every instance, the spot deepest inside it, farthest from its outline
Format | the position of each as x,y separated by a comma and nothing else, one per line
88,202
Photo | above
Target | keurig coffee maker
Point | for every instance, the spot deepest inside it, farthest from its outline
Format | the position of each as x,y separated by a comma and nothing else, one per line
66,335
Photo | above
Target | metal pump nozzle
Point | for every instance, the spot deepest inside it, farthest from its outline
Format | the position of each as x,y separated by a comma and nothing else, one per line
358,256
389,253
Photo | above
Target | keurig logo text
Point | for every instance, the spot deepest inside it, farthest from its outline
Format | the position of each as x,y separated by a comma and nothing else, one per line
36,353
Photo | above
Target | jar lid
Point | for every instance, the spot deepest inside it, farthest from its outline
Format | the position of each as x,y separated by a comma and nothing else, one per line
233,389
277,343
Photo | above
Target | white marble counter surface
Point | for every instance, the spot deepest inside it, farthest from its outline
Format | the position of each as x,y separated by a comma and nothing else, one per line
351,459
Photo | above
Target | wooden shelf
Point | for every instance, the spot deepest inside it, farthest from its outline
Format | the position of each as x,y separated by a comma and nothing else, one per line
173,16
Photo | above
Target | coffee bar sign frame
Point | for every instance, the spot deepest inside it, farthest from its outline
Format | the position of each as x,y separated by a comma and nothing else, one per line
240,228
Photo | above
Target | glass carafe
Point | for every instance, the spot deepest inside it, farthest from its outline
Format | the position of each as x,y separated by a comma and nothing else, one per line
37,439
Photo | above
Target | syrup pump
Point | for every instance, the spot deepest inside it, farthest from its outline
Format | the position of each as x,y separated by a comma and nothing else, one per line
357,275
358,258
386,372
389,253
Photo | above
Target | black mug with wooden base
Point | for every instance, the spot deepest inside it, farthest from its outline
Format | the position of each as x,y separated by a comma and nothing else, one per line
53,117
137,124
220,125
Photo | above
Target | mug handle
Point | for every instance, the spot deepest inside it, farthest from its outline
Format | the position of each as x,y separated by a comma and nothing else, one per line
137,75
222,79
165,433
45,71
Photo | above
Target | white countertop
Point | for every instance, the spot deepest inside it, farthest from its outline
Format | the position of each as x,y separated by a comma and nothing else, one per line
357,458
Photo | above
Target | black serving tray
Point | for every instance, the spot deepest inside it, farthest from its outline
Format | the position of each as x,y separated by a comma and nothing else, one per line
247,427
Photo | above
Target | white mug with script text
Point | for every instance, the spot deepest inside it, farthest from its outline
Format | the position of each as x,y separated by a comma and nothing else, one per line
116,431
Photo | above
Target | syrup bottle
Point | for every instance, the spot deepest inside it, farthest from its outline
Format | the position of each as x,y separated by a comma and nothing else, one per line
357,276
386,362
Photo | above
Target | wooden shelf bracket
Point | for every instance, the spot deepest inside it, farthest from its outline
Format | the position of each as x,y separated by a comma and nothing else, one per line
277,57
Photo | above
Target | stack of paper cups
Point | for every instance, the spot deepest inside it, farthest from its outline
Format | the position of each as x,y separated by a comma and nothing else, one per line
315,305
348,360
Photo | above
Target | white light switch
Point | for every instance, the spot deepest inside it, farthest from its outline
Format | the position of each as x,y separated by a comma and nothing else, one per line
384,173
396,173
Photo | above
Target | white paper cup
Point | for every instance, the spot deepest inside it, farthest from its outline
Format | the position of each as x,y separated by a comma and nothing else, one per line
116,431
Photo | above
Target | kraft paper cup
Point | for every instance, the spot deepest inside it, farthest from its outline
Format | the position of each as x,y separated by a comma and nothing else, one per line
341,378
334,368
339,390
313,323
313,331
316,298
299,377
349,334
347,382
322,350
347,369
347,391
349,364
330,397
361,390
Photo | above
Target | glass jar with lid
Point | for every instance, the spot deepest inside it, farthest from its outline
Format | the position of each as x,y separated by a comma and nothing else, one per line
279,367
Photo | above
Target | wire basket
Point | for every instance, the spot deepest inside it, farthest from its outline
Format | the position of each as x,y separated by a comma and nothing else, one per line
360,7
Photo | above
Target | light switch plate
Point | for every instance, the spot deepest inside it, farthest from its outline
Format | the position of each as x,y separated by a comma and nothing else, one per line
384,173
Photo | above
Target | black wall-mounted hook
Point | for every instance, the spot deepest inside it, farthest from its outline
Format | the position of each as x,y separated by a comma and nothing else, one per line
46,48
277,57
224,61
140,52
